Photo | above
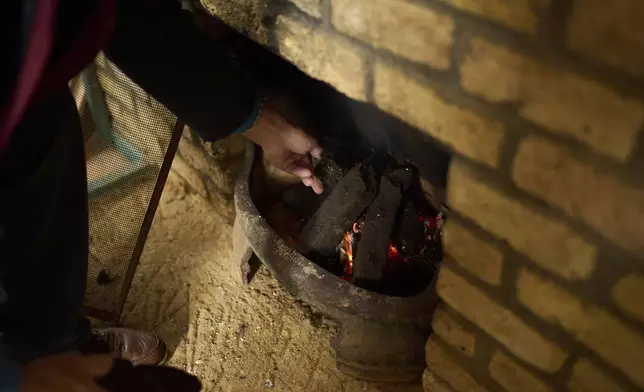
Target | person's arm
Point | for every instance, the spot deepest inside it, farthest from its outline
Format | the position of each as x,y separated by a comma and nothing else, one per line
162,50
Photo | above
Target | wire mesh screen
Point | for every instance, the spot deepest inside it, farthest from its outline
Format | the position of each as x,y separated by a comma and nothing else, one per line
127,137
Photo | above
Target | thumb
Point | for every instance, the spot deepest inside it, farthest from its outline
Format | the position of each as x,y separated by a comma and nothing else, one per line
97,365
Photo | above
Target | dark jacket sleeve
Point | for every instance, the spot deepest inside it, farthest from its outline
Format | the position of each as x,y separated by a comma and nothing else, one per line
162,50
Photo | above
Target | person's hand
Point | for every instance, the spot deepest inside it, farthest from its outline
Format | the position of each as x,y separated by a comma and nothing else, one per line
286,147
69,372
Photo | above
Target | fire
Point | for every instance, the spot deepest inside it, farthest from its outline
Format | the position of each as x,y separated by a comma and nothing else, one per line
399,250
393,253
348,271
347,248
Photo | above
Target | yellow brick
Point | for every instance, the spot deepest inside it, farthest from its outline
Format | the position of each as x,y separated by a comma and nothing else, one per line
609,34
514,377
443,365
616,342
499,322
547,241
596,196
246,16
480,258
323,56
311,7
467,133
628,293
432,383
586,377
519,15
560,101
401,27
453,333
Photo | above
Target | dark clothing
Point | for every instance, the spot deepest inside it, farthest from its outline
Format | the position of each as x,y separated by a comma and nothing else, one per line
45,243
158,46
170,59
43,191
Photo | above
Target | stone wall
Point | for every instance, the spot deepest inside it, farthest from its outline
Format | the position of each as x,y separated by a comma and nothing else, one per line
541,104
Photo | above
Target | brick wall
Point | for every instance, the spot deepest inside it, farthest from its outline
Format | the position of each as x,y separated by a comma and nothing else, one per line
541,103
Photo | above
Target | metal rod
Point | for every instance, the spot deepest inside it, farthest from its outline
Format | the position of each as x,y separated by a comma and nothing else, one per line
149,216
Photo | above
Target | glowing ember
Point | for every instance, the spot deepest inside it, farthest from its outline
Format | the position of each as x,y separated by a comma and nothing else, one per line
393,254
396,252
393,251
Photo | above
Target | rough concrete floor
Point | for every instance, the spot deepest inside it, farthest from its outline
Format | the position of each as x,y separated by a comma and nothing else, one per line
233,337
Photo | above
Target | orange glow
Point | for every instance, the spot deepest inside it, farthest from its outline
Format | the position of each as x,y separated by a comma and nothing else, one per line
349,253
393,251
393,254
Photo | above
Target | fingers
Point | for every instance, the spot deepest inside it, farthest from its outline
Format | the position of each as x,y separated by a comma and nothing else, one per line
316,152
69,372
75,383
296,168
300,171
310,181
90,367
302,143
97,365
84,371
314,183
292,153
301,167
317,186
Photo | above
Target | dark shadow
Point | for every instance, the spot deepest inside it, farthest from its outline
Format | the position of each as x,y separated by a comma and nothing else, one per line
338,122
